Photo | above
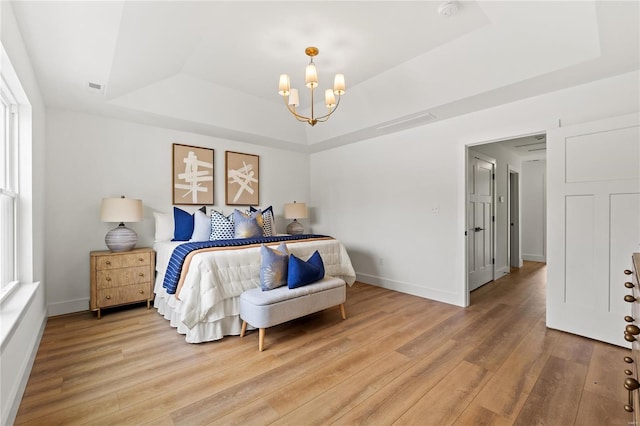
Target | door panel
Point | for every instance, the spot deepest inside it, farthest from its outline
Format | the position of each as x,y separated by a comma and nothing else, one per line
593,225
480,220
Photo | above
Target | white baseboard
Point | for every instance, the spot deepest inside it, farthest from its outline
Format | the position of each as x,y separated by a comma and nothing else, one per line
416,290
502,271
534,257
68,307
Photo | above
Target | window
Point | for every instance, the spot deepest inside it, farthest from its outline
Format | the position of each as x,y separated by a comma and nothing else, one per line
8,190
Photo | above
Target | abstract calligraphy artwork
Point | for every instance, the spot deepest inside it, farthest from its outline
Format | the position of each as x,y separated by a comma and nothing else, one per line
242,174
192,175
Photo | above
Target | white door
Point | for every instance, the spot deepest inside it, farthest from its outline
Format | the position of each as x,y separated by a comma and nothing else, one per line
514,220
593,223
480,219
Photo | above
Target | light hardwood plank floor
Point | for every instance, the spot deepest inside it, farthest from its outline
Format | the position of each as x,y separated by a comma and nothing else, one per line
396,359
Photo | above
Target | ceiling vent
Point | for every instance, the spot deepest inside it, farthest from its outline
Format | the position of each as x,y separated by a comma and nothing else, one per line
448,8
408,121
95,87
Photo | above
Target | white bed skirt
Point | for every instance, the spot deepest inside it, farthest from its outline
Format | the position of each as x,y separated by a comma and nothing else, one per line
222,320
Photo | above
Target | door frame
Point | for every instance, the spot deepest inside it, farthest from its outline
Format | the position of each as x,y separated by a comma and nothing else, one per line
468,152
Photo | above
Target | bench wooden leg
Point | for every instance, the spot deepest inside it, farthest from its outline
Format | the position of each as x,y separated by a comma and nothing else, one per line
243,329
344,314
261,339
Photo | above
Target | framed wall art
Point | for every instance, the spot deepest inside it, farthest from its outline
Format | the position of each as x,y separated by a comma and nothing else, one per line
192,175
242,175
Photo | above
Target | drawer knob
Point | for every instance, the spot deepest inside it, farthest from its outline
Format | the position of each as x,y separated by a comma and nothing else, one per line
108,297
141,259
628,318
628,372
629,298
628,408
108,262
141,291
628,359
631,384
628,284
629,337
141,274
627,272
632,329
108,278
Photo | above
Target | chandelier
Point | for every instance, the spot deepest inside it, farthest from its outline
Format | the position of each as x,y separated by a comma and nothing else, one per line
290,95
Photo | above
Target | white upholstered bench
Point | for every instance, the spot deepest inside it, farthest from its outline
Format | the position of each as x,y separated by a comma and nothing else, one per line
264,309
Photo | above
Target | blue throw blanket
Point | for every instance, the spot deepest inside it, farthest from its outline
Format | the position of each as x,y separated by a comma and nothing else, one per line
174,269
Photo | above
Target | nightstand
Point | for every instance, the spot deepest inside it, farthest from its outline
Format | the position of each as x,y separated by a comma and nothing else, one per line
121,278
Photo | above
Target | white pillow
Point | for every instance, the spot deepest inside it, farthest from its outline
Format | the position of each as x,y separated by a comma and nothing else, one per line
201,227
164,226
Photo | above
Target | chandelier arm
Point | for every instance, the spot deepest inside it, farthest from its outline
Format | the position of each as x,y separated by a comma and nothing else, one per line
293,111
326,116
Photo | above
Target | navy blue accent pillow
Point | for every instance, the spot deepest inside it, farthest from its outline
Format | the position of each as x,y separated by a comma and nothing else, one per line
183,225
302,273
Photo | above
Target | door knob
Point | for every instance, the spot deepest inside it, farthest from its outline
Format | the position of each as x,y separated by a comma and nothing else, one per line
632,329
628,285
627,272
631,384
628,318
629,337
628,359
629,298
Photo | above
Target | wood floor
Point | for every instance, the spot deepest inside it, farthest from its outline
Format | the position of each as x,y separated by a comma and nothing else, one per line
396,359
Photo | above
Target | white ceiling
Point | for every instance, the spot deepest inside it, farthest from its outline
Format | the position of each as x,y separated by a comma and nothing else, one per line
212,67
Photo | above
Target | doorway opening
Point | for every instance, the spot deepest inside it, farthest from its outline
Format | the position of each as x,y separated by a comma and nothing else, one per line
518,191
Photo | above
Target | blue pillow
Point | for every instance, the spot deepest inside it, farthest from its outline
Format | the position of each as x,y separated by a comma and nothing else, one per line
183,225
302,273
273,267
221,226
247,226
201,227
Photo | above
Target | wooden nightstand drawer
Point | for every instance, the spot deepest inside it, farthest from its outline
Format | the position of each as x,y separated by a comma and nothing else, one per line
122,295
123,261
121,278
125,276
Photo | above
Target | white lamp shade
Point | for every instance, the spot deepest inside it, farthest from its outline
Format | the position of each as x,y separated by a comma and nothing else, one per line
329,98
295,211
293,97
283,86
121,210
338,84
311,76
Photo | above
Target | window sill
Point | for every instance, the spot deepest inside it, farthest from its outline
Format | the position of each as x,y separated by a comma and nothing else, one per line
13,308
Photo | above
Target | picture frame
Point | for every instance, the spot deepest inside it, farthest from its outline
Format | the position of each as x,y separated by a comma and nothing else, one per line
192,175
242,177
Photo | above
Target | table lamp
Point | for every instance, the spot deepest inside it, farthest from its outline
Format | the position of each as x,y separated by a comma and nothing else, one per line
121,210
295,211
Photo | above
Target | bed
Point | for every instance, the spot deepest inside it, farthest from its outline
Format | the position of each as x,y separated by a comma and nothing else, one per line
204,303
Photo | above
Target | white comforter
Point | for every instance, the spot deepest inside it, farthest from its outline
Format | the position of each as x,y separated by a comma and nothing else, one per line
208,308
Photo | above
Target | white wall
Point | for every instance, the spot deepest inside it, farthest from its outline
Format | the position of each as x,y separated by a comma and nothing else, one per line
378,196
90,157
533,183
505,161
23,315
